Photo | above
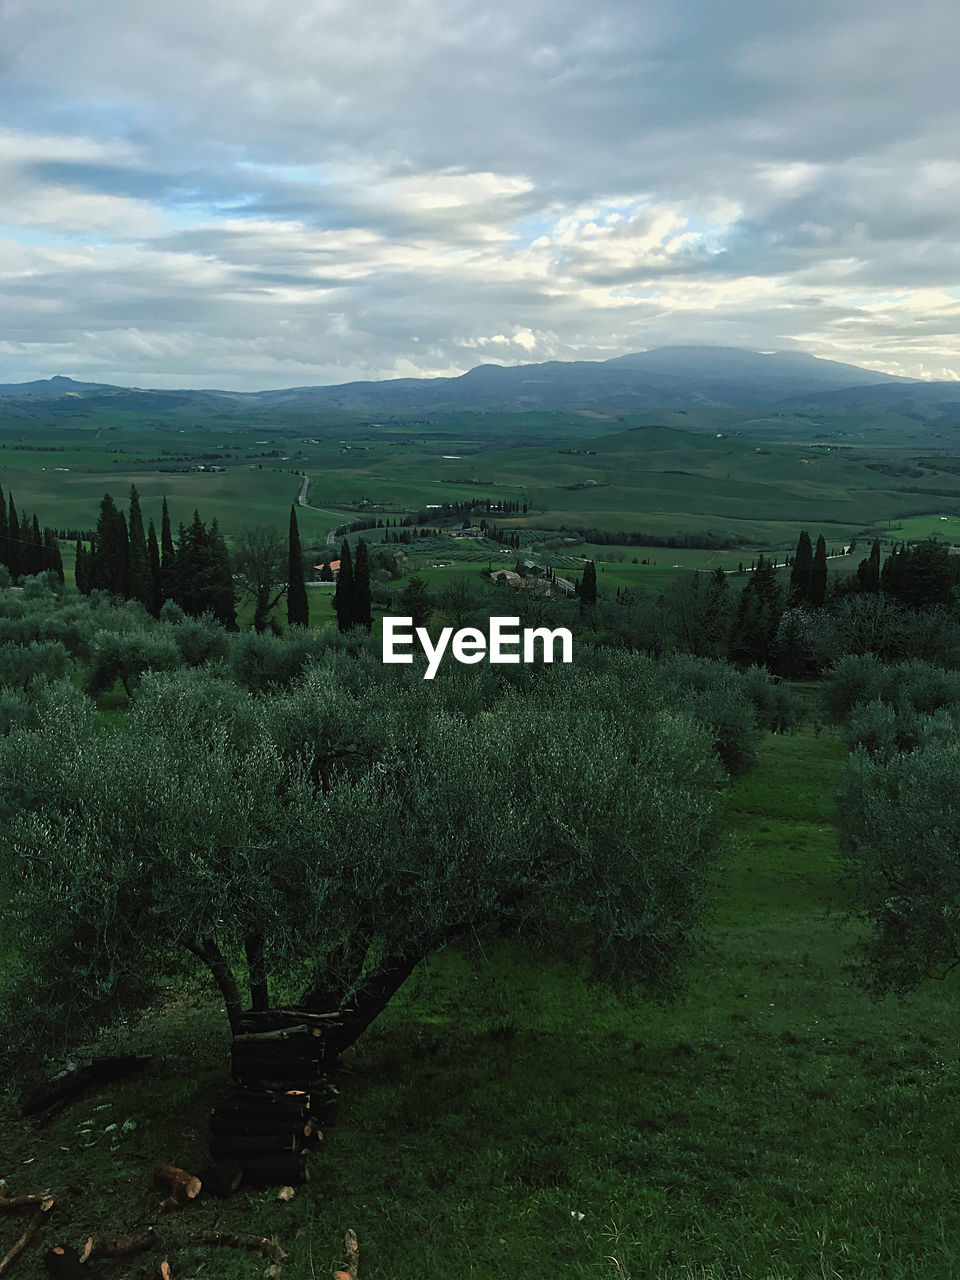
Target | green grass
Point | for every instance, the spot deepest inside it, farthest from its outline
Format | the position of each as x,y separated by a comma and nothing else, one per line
653,477
945,524
773,1123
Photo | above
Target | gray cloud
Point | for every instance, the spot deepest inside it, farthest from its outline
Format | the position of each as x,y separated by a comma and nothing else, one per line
242,195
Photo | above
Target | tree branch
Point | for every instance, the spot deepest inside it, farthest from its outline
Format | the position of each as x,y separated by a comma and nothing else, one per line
253,946
206,949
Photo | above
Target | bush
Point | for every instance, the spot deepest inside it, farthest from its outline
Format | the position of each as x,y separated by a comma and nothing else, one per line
125,656
200,640
39,660
900,831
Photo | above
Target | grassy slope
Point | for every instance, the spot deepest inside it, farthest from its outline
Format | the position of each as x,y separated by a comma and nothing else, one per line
655,478
775,1123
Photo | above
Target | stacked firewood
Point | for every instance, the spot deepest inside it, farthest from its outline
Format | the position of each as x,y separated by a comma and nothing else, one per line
271,1119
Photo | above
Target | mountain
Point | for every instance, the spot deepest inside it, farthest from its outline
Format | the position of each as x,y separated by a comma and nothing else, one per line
668,377
665,378
50,388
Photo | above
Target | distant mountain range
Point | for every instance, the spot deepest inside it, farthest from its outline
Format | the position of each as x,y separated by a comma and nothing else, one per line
679,377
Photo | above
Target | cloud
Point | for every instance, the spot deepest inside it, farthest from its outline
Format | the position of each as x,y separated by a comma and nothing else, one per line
238,195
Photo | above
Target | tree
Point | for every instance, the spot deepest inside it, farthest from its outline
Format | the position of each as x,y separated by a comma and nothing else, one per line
109,557
804,643
260,811
156,575
4,533
52,559
82,569
588,586
260,565
32,562
697,613
868,571
818,575
362,606
168,556
194,577
415,601
343,595
13,541
223,595
900,831
298,608
138,583
758,615
801,571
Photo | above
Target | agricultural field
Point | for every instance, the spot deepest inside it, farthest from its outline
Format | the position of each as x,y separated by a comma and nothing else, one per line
651,477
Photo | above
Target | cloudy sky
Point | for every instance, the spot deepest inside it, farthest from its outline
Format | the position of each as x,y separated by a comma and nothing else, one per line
256,193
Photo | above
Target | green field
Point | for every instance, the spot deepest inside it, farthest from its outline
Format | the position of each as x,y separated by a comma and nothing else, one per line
941,525
652,477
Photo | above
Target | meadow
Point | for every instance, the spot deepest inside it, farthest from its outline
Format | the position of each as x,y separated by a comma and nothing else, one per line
592,473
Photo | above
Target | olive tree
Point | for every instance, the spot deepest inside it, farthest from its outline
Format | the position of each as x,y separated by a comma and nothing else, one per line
316,845
900,850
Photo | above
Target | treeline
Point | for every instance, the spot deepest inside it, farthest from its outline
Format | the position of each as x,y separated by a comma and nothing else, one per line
894,608
124,560
448,512
694,541
25,548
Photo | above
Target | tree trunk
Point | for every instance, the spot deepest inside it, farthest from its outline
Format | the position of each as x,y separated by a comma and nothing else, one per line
368,1003
206,949
253,946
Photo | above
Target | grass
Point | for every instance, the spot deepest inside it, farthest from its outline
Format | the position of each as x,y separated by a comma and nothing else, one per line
658,478
505,1117
945,524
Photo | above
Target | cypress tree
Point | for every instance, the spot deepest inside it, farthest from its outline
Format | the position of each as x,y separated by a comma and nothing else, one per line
758,613
362,609
122,557
818,575
868,571
82,571
138,585
168,558
298,608
153,566
33,547
109,554
52,559
223,593
13,541
343,595
588,585
4,540
194,570
801,571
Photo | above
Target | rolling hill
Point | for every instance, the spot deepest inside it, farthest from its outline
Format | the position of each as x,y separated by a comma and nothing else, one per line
668,377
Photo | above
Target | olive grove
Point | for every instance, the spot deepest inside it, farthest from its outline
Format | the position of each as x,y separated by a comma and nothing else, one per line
315,841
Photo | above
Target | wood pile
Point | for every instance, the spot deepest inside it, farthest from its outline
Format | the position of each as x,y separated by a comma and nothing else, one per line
271,1119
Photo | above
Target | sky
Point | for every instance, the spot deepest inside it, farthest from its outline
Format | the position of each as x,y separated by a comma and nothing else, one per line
250,194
